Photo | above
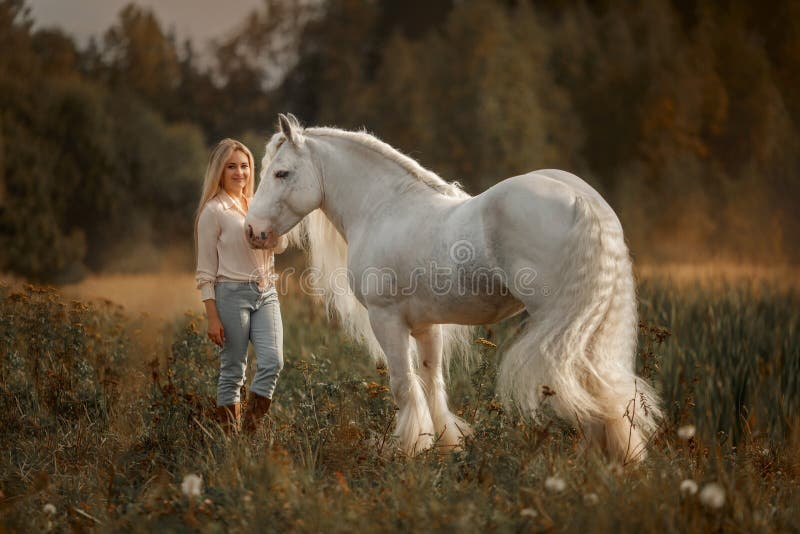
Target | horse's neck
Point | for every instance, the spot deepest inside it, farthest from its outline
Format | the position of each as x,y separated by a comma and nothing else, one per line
358,183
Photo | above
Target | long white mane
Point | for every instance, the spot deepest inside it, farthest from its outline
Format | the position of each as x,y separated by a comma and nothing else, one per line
416,173
327,249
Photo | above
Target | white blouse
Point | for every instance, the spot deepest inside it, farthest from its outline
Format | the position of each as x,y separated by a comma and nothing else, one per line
223,252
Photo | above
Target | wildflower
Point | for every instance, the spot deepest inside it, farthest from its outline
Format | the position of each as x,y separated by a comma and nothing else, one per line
374,389
555,484
713,495
485,342
192,485
528,512
342,482
686,432
49,509
616,469
591,499
688,487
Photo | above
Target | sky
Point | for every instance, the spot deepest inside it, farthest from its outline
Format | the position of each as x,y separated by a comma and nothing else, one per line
200,20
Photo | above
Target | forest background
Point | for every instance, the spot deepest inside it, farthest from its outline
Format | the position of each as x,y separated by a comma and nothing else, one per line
680,112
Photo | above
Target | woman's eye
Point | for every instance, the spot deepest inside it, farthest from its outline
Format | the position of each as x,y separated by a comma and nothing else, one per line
281,174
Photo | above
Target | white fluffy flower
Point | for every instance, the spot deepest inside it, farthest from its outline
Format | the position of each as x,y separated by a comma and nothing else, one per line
192,485
688,487
528,512
686,432
713,495
591,499
49,509
555,484
616,469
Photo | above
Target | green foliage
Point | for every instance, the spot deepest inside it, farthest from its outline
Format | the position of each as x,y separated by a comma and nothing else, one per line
88,173
157,168
139,56
681,113
85,172
105,415
61,363
477,101
182,401
734,353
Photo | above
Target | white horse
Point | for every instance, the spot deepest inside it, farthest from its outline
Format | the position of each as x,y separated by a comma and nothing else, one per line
403,254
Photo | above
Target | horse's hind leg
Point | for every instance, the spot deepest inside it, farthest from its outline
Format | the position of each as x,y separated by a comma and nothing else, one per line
414,424
450,428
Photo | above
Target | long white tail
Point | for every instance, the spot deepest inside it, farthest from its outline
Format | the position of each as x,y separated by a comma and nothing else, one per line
581,345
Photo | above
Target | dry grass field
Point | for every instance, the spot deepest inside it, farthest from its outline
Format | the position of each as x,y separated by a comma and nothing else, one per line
107,392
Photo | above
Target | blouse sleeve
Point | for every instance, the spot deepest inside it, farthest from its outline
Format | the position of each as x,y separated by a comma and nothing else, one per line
208,231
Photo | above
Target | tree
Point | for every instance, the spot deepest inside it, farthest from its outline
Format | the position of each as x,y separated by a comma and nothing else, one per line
140,57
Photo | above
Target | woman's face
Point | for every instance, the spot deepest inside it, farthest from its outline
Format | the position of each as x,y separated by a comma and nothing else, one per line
236,173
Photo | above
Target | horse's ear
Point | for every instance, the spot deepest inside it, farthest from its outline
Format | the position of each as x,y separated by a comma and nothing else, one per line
291,132
285,126
293,120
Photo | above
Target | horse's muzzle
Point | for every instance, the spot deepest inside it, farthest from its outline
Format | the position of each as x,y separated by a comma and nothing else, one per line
260,240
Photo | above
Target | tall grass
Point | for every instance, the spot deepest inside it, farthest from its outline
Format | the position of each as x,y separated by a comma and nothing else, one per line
103,414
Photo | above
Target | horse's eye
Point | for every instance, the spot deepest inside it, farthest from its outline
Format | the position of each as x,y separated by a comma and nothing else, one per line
281,174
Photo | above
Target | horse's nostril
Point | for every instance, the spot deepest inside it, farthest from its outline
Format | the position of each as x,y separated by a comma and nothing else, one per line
249,230
263,235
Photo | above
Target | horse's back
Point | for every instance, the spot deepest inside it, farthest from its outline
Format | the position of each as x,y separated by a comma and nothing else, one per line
519,227
535,206
544,199
550,184
527,220
581,187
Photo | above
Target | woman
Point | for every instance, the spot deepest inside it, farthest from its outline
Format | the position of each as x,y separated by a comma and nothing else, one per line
236,285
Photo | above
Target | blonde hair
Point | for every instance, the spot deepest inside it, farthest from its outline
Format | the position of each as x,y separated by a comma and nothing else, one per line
212,182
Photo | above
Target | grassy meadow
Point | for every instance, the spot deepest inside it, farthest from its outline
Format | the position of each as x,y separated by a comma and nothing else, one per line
105,411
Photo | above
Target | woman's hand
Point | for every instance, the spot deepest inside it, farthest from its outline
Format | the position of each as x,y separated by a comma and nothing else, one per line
282,244
215,331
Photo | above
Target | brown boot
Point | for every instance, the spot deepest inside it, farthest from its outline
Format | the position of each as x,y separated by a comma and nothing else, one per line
257,407
229,417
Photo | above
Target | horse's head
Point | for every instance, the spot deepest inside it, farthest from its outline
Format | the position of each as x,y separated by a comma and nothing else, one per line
290,186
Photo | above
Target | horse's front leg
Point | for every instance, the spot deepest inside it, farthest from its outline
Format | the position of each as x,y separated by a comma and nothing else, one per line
414,424
450,429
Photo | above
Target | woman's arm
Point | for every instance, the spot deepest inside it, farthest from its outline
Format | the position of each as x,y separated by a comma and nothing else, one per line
208,231
215,330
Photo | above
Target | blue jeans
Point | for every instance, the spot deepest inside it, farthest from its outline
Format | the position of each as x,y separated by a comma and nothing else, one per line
248,314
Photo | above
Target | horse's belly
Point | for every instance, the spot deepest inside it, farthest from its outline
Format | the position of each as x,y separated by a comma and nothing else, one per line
466,309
